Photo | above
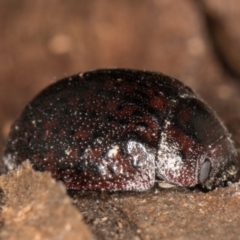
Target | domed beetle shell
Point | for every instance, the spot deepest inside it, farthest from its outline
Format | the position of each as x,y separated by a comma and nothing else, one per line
120,129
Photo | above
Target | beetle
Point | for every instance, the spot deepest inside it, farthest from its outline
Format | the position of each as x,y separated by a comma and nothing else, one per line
122,129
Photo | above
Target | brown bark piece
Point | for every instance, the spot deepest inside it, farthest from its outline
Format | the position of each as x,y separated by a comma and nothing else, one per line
36,207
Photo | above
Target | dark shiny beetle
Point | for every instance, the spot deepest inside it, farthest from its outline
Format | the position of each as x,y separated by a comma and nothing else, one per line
122,129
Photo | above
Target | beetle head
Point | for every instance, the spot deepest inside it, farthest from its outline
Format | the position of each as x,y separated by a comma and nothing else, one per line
218,165
195,147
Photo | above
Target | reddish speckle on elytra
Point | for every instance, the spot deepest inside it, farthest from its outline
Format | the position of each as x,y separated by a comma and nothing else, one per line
121,129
